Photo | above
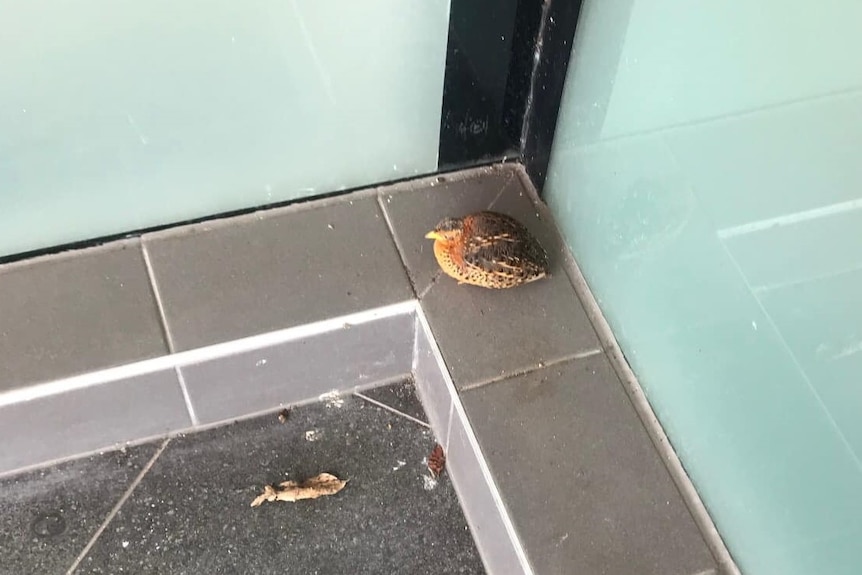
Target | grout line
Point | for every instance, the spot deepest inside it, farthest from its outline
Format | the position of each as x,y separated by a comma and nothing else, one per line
188,398
81,455
116,509
533,368
394,237
502,189
206,353
586,354
151,273
457,408
273,410
392,409
362,388
430,284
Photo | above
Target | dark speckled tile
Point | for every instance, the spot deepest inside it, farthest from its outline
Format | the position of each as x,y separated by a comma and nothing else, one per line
400,397
48,516
191,513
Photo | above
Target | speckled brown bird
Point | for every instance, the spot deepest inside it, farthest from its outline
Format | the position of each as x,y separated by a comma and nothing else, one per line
488,249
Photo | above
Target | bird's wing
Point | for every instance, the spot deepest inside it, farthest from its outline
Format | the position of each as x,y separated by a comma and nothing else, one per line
500,254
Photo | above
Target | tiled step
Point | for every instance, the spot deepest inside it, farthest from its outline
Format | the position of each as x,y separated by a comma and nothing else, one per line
223,320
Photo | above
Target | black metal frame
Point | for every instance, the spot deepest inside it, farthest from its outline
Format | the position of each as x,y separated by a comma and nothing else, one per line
505,71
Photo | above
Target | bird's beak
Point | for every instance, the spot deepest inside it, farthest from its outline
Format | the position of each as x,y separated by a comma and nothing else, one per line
433,235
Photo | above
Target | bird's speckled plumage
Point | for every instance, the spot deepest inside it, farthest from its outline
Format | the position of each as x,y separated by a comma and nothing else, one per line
488,249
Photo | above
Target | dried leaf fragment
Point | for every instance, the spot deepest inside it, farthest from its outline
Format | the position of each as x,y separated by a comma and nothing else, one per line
283,415
436,461
318,486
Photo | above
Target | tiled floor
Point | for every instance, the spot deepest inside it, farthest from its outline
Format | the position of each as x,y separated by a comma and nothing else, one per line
191,514
47,517
547,446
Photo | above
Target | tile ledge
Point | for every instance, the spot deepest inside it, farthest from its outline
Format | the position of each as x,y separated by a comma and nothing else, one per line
203,354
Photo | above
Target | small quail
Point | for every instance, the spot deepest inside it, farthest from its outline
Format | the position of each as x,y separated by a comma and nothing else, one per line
488,249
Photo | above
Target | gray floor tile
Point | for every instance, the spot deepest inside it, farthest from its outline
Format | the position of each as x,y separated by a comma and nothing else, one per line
295,371
585,487
95,417
487,334
270,271
191,513
48,516
74,313
401,397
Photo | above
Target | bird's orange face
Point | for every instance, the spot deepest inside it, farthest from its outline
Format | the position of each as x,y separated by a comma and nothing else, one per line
447,231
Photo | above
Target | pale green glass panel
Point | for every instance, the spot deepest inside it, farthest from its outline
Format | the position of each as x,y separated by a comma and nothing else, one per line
706,173
118,114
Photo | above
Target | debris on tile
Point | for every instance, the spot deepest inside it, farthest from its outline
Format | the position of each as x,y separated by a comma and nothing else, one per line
332,399
436,461
283,415
562,539
399,465
318,486
429,483
312,435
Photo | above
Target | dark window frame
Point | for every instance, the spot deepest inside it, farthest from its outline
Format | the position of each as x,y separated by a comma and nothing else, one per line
506,68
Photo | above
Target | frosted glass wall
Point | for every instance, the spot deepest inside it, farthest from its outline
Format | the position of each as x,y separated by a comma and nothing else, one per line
707,172
121,114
